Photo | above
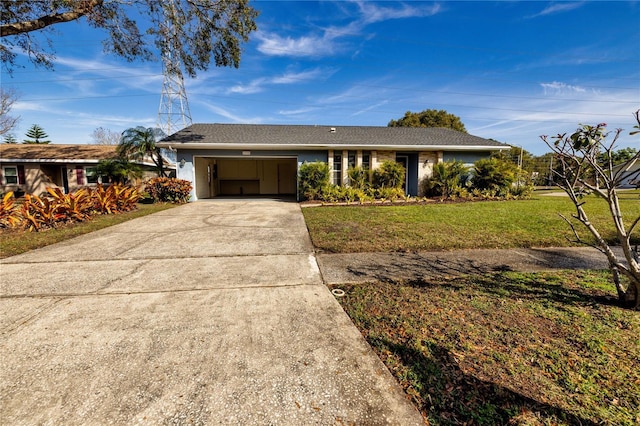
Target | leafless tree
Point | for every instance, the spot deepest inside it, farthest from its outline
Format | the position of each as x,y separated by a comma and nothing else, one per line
585,166
102,136
7,122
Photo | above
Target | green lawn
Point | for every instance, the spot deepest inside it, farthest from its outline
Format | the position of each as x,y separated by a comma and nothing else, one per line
16,242
509,348
441,226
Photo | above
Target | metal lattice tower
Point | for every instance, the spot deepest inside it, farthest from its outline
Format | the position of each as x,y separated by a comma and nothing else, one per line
174,113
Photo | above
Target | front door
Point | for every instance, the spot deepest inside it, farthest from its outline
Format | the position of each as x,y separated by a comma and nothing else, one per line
65,180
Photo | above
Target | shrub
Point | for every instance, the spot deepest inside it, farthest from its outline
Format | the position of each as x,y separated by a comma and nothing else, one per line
359,177
9,213
76,206
313,178
40,213
523,187
494,176
446,180
390,194
172,190
390,174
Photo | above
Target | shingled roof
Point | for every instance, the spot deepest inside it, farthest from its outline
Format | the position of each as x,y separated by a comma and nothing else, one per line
57,152
313,137
61,153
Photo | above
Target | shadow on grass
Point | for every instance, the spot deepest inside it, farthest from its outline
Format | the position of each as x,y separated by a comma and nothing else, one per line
524,286
392,266
490,277
448,396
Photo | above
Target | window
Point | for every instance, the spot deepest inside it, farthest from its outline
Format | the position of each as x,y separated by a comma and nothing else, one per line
10,175
92,174
351,159
366,160
337,168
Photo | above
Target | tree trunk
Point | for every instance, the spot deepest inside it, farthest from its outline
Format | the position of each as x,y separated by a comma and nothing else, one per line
631,297
160,163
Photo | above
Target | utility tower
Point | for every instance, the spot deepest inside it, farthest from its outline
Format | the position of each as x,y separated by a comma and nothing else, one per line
174,113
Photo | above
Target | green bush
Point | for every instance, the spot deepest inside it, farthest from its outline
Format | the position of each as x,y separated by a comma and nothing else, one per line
359,177
389,194
445,181
494,176
523,187
312,179
390,174
172,190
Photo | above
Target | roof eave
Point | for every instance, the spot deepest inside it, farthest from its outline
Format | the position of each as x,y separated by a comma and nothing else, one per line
310,147
47,160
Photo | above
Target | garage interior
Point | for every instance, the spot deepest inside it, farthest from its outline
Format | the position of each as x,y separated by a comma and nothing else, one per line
240,176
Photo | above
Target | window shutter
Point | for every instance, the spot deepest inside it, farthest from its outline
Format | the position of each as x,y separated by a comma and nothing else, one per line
80,175
21,179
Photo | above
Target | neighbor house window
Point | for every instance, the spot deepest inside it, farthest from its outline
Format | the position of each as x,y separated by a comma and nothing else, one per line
92,174
337,168
10,175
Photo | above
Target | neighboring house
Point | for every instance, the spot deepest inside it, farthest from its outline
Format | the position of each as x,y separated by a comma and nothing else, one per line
631,176
251,159
31,168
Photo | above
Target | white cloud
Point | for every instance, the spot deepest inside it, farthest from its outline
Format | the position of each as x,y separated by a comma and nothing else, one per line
255,86
369,108
297,111
230,115
259,84
559,88
372,12
327,42
306,46
557,8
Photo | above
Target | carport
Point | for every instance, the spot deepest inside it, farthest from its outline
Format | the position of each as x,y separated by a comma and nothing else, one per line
219,176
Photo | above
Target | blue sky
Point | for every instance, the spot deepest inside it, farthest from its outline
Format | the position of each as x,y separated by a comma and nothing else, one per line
510,70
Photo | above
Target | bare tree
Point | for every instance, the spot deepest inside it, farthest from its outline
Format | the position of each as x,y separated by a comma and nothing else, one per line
585,165
7,122
102,136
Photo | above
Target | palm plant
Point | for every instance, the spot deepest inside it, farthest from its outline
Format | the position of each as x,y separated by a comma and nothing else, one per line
138,142
445,179
118,170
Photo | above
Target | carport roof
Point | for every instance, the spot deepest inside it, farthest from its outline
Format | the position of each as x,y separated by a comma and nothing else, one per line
269,136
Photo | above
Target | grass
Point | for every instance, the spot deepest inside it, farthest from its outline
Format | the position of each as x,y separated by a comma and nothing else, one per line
509,348
441,226
13,242
546,348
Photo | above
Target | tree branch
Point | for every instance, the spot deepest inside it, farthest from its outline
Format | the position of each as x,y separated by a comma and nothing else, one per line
79,11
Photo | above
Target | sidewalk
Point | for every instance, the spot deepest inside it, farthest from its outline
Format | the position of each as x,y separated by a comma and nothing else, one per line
364,267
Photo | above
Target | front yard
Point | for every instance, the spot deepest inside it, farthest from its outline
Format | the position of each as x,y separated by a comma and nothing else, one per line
546,348
466,225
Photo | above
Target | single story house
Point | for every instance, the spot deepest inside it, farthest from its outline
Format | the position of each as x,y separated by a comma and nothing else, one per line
31,168
256,159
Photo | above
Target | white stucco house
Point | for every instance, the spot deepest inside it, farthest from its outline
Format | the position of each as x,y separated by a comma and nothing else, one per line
256,159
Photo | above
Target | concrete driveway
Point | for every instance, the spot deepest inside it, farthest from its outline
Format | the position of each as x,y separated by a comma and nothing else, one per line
210,313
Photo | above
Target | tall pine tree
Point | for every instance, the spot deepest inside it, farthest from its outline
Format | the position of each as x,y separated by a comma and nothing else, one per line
36,134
